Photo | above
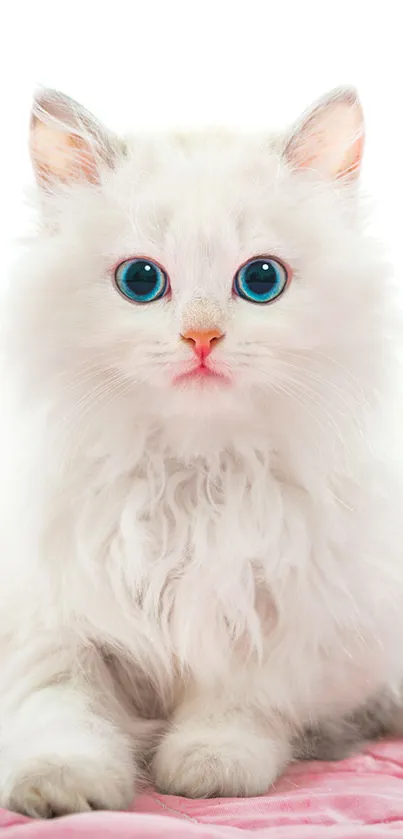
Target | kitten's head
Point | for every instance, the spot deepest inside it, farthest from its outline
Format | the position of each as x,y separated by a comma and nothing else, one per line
207,277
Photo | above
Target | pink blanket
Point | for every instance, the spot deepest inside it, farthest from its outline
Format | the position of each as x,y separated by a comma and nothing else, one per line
361,797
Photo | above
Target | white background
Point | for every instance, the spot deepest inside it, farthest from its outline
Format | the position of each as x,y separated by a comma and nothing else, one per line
143,63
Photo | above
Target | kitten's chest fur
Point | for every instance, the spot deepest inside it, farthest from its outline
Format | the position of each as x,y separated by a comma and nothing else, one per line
216,554
212,566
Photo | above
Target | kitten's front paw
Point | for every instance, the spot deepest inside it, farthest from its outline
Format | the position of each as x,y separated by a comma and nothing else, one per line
223,760
44,789
52,784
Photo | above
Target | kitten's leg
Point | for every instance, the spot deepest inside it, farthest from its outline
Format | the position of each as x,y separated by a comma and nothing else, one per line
61,751
217,750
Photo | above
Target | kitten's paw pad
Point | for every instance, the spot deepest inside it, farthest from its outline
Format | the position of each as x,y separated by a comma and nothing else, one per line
219,761
45,789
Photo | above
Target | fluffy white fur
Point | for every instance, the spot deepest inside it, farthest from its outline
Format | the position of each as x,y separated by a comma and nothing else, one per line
226,559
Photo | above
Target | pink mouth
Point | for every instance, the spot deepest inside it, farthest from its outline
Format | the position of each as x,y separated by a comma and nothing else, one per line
201,373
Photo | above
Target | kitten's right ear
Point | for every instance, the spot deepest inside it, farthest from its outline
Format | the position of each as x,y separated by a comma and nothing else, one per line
330,137
66,142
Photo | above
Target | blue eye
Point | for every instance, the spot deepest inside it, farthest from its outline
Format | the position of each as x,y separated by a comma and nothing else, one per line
141,280
261,280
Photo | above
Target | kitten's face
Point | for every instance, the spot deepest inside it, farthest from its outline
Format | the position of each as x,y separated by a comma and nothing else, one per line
196,210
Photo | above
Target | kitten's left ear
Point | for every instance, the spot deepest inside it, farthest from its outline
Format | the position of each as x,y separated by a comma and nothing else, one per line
66,142
330,137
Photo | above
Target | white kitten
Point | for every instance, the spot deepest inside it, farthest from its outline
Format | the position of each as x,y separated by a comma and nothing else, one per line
201,513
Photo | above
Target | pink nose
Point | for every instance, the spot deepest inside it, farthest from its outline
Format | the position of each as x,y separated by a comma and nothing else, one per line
202,340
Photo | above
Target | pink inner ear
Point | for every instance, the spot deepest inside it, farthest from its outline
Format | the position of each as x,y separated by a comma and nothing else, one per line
61,156
331,139
353,160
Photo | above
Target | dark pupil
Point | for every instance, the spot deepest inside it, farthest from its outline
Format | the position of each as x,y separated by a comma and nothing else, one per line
260,280
141,278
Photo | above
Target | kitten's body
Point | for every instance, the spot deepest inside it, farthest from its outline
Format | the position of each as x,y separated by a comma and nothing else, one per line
222,556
